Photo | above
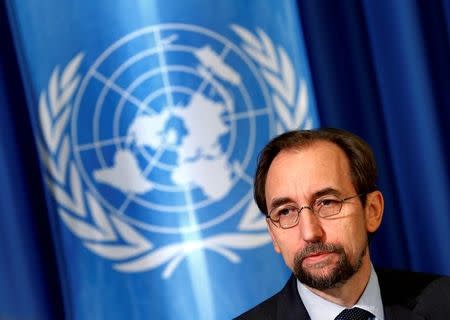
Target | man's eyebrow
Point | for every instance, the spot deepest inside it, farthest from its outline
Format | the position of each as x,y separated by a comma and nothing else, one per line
325,191
277,202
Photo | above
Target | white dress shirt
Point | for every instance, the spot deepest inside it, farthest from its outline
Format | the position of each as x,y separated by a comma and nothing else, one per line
320,309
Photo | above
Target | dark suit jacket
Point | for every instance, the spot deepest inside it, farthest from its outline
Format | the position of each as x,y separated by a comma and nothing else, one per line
405,295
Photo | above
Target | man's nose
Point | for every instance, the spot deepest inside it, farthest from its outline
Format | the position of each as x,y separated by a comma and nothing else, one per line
310,226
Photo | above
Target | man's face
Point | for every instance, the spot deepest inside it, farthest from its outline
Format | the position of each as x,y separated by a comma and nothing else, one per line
322,252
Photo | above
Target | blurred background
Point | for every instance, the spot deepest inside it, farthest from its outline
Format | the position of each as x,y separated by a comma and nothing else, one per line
186,94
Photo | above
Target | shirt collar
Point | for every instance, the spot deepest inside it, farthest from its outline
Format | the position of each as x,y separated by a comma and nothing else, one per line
319,308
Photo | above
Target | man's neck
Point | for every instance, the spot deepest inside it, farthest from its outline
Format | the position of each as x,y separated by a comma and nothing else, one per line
348,293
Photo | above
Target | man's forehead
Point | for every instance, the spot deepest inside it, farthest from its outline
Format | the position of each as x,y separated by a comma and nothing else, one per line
317,151
311,168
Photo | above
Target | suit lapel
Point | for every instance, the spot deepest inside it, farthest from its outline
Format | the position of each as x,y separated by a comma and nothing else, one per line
289,304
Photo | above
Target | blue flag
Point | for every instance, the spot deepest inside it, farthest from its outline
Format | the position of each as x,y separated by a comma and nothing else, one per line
148,118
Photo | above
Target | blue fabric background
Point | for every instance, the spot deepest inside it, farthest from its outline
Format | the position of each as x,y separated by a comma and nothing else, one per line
380,69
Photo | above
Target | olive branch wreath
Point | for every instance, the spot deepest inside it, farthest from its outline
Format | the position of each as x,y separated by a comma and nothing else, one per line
107,235
290,101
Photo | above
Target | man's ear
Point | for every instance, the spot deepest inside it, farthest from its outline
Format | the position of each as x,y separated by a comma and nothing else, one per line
374,211
274,240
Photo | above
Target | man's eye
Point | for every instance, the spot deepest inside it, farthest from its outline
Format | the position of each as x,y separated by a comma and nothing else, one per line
286,211
327,202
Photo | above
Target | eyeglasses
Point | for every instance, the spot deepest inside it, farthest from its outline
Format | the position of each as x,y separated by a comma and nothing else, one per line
286,216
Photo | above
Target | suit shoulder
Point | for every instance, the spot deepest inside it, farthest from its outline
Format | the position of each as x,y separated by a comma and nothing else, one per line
433,302
264,311
409,288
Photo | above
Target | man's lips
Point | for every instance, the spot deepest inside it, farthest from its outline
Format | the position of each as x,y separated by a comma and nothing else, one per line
317,256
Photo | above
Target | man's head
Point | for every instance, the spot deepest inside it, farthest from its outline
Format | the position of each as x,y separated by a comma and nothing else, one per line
317,170
359,154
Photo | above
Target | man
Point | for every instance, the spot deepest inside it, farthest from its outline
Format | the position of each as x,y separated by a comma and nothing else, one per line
317,189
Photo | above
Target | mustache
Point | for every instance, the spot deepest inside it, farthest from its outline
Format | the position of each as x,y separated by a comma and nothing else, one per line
318,247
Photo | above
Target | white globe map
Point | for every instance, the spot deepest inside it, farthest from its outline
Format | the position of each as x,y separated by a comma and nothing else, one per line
174,128
163,132
199,155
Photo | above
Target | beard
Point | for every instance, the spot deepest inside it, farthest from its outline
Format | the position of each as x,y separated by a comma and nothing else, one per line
341,272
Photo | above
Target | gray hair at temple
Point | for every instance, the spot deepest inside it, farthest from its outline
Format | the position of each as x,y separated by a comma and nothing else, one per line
361,160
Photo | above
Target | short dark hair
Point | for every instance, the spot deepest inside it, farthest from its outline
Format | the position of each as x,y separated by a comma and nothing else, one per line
361,160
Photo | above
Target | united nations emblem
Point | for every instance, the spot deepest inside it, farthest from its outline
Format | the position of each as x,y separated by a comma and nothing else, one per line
150,154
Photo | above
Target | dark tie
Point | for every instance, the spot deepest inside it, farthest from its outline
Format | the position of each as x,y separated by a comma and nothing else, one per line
354,314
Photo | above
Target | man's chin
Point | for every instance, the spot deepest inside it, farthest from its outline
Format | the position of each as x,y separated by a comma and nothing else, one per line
320,278
320,270
325,266
329,272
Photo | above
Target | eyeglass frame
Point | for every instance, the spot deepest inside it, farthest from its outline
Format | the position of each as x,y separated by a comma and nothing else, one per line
299,210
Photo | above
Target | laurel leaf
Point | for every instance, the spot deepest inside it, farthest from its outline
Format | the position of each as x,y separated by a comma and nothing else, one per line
230,255
114,251
275,83
240,241
63,159
280,128
53,170
151,260
45,120
77,191
247,36
59,127
80,228
60,195
258,56
270,51
71,70
171,266
100,219
308,124
53,92
302,105
130,235
252,219
287,71
51,166
283,112
68,92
